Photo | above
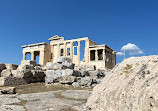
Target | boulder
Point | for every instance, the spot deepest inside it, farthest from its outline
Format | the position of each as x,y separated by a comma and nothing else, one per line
86,81
38,68
87,68
128,87
49,66
67,80
67,72
51,77
8,90
75,84
11,66
67,65
38,73
24,67
28,62
22,73
11,81
6,73
63,59
53,66
84,73
2,67
58,73
77,73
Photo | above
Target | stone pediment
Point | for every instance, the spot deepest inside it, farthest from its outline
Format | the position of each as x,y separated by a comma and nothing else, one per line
56,37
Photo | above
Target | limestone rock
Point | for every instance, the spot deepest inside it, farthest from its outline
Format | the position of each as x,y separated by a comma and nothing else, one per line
67,80
22,73
84,73
6,73
38,73
75,84
50,76
86,81
8,90
56,66
5,81
49,66
2,67
28,62
67,65
38,68
130,86
87,68
63,59
67,72
53,66
11,66
24,67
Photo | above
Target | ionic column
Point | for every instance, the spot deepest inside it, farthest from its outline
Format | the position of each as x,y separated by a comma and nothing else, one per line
42,57
24,56
87,51
64,49
52,50
58,47
78,51
96,55
103,54
71,50
32,56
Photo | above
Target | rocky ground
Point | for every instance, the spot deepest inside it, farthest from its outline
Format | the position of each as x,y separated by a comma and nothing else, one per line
47,98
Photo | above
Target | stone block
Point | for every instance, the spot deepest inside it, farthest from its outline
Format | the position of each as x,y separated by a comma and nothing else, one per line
11,66
22,73
67,80
67,72
8,90
2,67
63,59
6,73
23,67
38,73
28,62
4,81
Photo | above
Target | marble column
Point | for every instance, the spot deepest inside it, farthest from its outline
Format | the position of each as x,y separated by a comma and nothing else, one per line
78,51
71,50
96,55
52,52
58,47
104,55
87,51
32,56
64,49
24,56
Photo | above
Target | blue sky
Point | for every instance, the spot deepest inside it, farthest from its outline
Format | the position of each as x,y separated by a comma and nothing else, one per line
112,22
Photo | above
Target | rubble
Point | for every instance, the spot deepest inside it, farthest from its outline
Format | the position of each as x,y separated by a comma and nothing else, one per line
65,72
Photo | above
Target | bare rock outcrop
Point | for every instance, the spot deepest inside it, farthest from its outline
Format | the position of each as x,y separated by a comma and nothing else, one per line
130,86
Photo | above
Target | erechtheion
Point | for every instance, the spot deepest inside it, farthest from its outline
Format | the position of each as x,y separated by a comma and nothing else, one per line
101,56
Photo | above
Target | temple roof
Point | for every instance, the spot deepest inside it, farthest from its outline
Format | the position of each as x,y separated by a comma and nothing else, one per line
56,37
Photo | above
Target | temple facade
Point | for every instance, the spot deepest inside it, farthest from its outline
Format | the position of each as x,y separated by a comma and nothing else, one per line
82,51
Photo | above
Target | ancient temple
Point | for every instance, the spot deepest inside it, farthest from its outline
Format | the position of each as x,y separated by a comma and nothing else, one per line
102,56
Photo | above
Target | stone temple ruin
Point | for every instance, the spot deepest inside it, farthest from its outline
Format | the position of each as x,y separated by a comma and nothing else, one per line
100,56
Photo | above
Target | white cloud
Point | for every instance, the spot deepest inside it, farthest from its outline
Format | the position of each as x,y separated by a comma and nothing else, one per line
132,49
119,53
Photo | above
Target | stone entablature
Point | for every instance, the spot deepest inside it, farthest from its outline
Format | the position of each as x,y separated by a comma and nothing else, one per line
101,56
